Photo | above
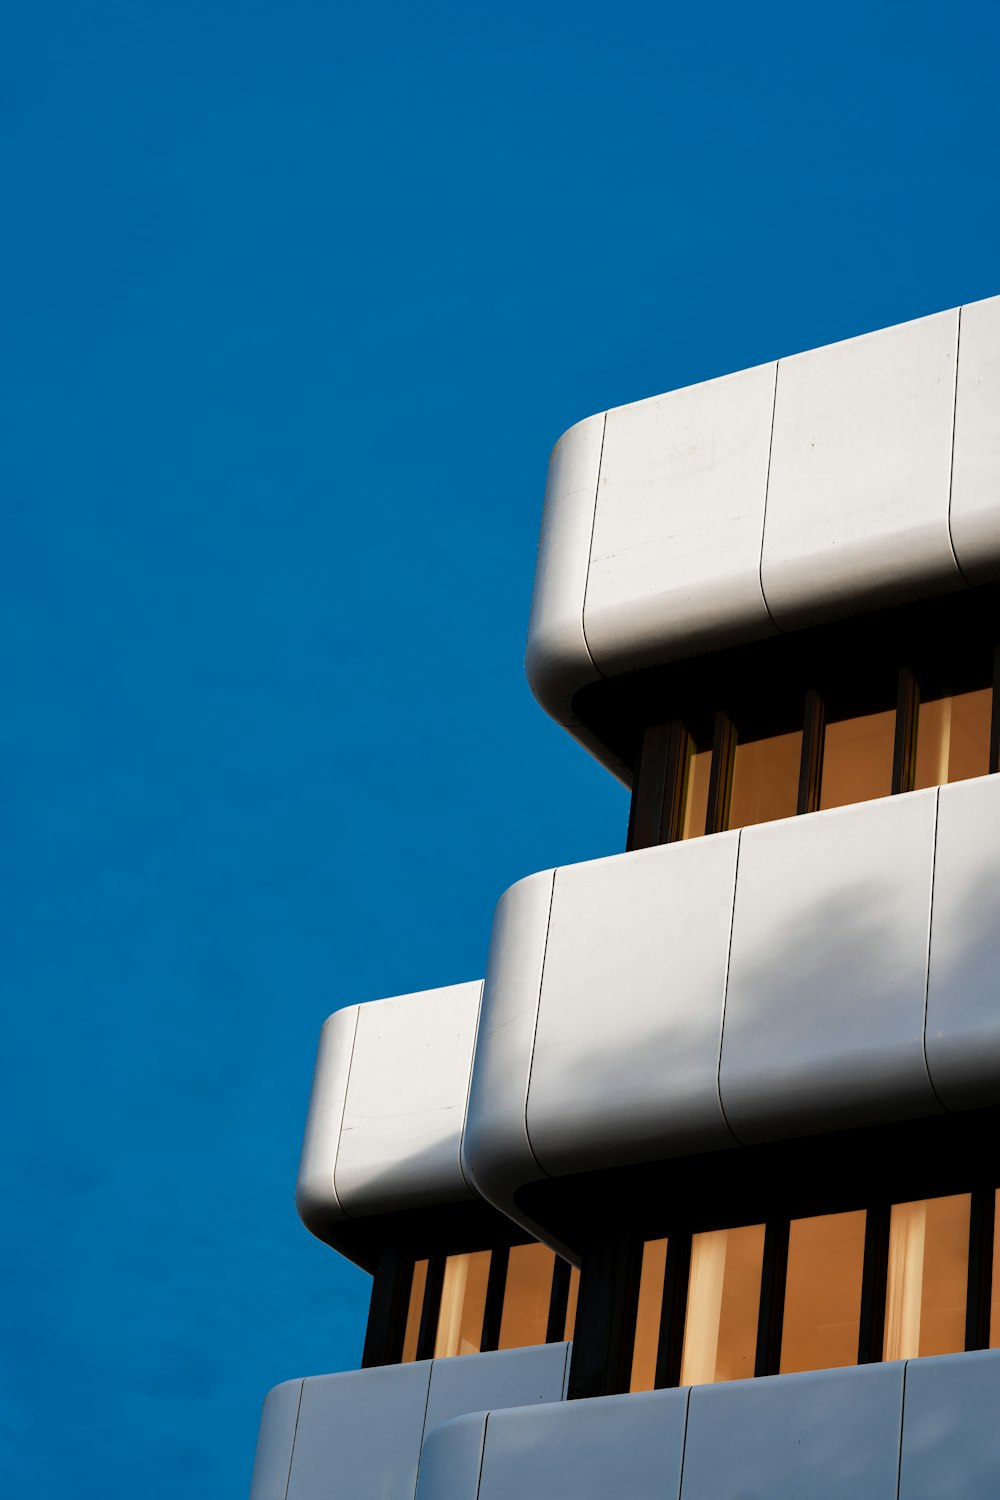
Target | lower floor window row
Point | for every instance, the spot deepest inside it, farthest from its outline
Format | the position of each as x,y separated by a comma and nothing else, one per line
916,1279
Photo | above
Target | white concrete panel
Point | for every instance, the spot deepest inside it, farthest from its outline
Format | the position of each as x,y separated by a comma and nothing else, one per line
505,1377
557,660
963,1014
675,562
627,1446
315,1194
495,1149
857,502
951,1436
826,1435
975,489
275,1438
828,972
359,1434
402,1126
626,1057
451,1459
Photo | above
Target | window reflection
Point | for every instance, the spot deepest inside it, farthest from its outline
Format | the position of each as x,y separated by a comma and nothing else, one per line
765,779
857,759
463,1304
571,1301
720,1327
953,738
928,1275
414,1310
647,1325
696,796
822,1317
526,1297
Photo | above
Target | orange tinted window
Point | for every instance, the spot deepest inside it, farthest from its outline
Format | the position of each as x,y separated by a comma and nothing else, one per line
857,759
928,1277
647,1325
953,738
822,1315
526,1297
571,1301
414,1311
723,1301
463,1304
765,779
696,795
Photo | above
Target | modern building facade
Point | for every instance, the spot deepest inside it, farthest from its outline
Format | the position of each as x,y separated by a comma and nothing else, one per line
695,1196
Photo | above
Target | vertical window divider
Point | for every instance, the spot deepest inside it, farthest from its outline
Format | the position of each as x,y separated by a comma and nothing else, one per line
427,1336
874,1284
386,1327
772,1297
811,768
905,746
496,1285
649,787
995,714
670,1341
721,775
678,760
981,1231
605,1318
555,1328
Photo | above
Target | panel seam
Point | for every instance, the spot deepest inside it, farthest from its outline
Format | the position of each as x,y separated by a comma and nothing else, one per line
954,431
902,1424
590,549
482,1457
930,932
343,1113
468,1094
684,1444
534,1034
295,1433
725,988
423,1425
767,491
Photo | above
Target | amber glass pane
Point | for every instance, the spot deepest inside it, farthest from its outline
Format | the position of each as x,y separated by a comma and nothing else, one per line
822,1315
857,759
723,1301
953,738
526,1297
765,779
463,1303
571,1301
928,1277
414,1310
995,1291
647,1323
696,798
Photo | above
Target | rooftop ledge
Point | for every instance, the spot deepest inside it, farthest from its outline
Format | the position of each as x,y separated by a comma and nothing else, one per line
836,482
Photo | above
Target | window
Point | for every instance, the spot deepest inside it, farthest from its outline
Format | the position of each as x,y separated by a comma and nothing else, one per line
822,1313
526,1297
857,759
765,779
953,737
720,1324
647,1327
928,1277
463,1304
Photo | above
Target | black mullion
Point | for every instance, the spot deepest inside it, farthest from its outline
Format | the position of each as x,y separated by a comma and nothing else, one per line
981,1231
670,1343
605,1318
995,715
427,1336
649,788
721,775
389,1306
905,746
555,1328
811,765
874,1285
772,1297
496,1285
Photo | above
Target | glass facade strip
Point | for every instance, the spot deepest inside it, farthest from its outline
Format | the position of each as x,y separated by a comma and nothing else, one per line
571,1301
928,1277
723,1301
696,796
414,1310
822,1316
526,1298
765,779
857,759
953,738
995,1279
463,1304
647,1325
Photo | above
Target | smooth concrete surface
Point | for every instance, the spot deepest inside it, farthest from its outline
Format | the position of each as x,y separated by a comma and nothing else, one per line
626,1055
963,992
857,499
707,520
387,1107
828,971
975,485
358,1436
951,1428
924,1430
680,517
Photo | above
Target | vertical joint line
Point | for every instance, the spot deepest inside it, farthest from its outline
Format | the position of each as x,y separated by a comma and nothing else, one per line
767,489
534,1034
954,430
590,549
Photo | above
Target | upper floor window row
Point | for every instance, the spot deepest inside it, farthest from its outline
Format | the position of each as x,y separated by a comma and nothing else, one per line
768,755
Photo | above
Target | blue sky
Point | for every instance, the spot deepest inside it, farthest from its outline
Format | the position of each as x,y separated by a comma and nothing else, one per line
297,299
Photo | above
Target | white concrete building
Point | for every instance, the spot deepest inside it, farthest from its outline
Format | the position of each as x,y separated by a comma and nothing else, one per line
695,1196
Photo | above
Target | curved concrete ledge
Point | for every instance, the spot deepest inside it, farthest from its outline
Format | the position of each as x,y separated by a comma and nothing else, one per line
835,482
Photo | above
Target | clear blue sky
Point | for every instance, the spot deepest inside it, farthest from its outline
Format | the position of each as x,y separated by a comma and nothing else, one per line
297,299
